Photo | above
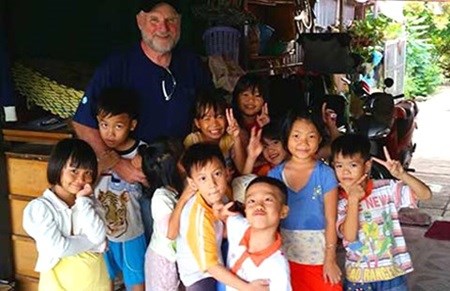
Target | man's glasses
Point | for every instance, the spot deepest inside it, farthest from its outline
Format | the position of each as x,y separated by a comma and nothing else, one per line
168,85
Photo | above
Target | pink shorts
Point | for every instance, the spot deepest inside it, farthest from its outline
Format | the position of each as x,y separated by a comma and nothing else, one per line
160,273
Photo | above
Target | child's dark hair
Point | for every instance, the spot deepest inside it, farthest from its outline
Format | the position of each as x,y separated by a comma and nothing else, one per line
249,82
210,99
272,130
351,144
159,164
80,154
198,155
114,101
271,181
314,118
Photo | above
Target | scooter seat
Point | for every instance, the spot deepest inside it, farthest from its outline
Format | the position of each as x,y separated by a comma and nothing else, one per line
370,126
378,131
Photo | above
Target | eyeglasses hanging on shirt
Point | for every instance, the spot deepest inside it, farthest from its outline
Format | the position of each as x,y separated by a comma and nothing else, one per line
168,85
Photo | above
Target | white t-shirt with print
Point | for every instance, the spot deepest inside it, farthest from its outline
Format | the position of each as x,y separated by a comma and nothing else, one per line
380,252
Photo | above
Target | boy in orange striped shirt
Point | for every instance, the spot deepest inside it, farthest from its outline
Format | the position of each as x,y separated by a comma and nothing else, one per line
198,244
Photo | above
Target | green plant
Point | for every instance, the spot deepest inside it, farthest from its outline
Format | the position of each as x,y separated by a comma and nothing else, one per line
423,73
440,37
368,34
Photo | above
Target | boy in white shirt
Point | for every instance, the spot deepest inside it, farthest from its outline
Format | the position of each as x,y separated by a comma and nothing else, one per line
254,241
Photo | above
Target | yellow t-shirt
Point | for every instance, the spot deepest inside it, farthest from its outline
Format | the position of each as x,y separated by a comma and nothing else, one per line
225,144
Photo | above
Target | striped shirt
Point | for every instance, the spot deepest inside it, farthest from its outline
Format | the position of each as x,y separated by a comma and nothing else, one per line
199,241
380,252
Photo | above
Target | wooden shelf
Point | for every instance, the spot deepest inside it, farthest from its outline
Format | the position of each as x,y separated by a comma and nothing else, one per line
34,136
279,15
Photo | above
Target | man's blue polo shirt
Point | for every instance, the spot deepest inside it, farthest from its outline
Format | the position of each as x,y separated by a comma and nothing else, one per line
157,116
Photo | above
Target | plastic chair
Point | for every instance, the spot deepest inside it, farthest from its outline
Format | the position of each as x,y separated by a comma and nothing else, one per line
222,40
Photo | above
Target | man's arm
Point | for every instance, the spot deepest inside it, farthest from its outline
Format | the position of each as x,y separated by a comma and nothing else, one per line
122,167
91,136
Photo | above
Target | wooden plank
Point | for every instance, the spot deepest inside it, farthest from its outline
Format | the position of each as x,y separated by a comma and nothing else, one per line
25,283
17,205
26,177
34,136
25,256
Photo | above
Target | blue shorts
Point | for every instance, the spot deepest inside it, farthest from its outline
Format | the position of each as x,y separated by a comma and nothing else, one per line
127,257
396,284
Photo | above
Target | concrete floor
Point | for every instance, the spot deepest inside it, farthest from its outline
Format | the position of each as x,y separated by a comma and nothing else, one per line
432,157
431,258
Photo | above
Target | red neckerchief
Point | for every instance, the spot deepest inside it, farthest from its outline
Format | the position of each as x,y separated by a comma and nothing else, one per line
257,257
369,188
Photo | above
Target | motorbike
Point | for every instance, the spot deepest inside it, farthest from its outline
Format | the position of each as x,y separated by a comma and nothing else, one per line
388,123
383,118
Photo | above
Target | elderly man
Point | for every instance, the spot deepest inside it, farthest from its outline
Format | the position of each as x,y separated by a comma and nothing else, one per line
165,77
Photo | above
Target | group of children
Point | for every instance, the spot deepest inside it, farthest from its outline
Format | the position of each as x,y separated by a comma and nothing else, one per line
183,225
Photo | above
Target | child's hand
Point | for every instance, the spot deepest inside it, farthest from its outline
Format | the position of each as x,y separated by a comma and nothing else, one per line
394,167
356,189
187,193
86,191
102,248
255,147
263,118
223,211
328,116
233,128
260,284
331,272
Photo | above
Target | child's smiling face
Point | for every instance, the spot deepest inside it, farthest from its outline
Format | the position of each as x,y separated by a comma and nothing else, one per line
73,179
273,151
304,139
211,125
210,180
250,102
